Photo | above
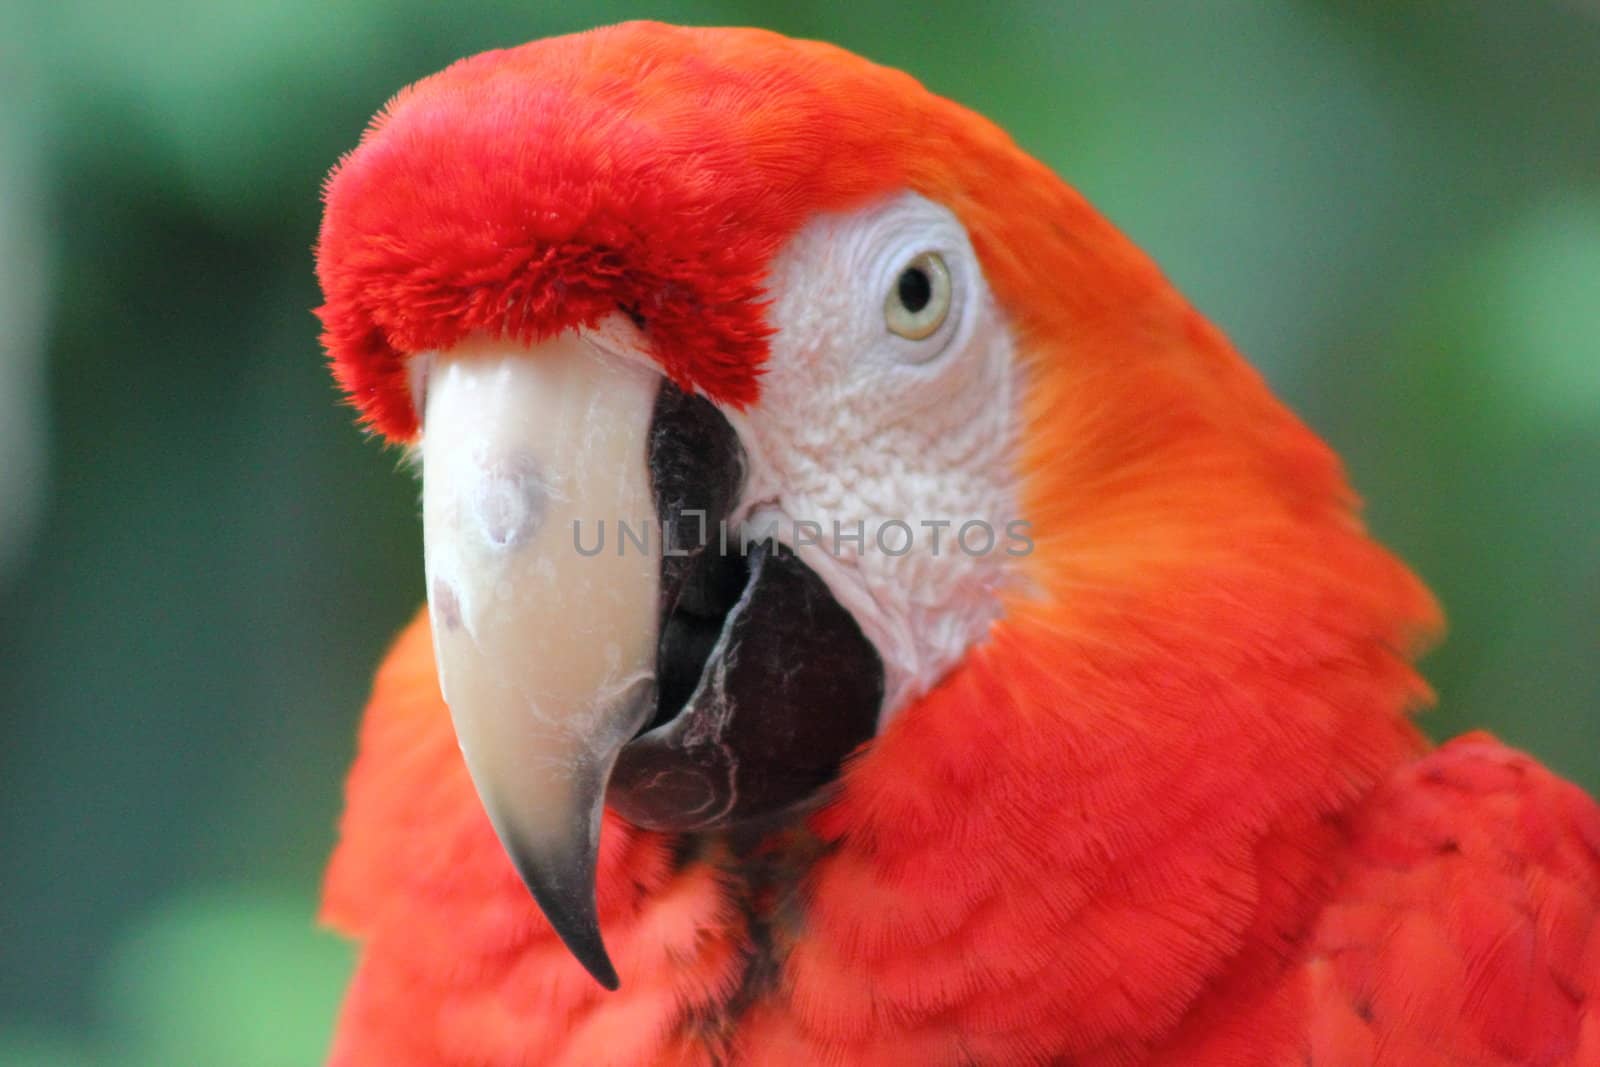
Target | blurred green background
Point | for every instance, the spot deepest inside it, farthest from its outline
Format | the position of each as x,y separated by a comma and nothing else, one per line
1393,208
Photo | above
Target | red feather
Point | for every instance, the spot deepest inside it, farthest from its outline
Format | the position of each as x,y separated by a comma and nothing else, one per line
1171,811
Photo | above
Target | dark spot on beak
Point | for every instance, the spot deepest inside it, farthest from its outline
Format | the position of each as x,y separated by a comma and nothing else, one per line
510,500
446,607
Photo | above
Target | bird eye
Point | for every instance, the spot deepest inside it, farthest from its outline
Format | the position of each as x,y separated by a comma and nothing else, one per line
920,299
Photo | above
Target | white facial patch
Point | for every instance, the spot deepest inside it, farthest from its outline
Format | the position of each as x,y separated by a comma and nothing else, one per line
888,462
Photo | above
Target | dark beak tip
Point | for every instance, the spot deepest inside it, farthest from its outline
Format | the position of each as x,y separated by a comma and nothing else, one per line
579,929
589,950
573,915
605,974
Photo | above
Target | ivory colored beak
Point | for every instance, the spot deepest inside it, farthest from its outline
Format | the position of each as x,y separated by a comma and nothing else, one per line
546,655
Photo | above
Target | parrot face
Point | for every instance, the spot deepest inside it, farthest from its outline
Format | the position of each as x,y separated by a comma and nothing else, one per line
763,603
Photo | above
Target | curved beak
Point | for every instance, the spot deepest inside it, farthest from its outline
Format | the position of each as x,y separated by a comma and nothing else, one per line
546,654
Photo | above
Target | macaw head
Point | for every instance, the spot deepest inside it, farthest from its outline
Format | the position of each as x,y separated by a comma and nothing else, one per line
755,389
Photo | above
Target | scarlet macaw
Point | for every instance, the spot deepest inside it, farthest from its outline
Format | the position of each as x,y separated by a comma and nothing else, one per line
1134,783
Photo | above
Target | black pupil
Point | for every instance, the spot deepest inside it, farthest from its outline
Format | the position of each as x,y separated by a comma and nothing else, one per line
915,289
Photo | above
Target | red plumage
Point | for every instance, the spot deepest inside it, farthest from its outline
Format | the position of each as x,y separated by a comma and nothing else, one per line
1171,811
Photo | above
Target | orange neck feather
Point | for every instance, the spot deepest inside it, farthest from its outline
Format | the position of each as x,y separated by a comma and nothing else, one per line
1132,789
